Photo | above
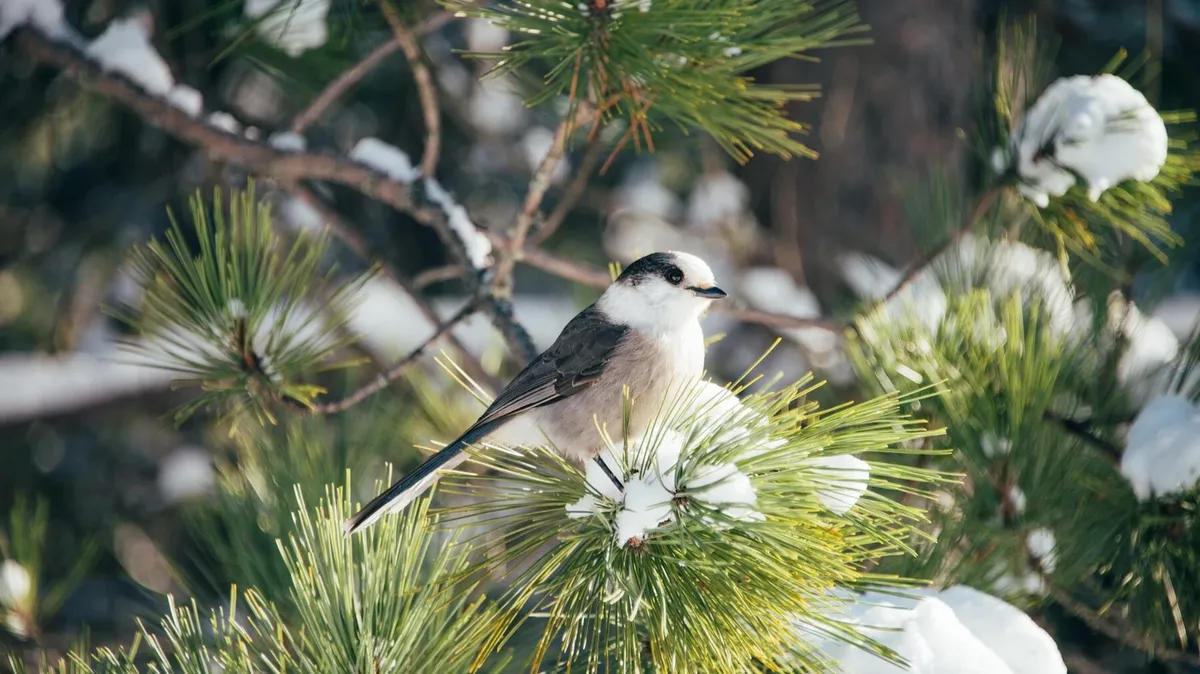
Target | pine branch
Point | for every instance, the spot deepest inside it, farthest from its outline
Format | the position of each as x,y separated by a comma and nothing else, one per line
1080,429
263,159
981,209
502,281
591,157
393,373
425,87
1119,633
353,75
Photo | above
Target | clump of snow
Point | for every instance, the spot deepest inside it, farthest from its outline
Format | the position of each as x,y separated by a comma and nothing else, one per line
225,122
1150,346
45,15
478,246
1100,128
1017,499
847,478
1162,450
496,107
1004,267
648,500
1043,547
485,36
185,473
993,445
124,48
958,630
301,216
537,143
15,584
773,289
385,158
288,141
187,99
717,197
292,26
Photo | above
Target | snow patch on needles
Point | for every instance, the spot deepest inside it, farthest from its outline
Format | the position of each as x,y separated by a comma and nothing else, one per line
959,629
1043,547
45,15
124,48
15,584
1099,128
1162,451
292,26
847,477
649,498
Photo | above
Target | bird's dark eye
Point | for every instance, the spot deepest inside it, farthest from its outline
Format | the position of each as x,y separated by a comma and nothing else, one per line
674,277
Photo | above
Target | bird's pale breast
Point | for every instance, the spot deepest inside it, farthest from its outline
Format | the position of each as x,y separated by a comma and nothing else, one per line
651,366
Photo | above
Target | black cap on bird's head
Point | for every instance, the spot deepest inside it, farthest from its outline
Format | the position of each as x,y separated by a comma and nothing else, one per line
681,270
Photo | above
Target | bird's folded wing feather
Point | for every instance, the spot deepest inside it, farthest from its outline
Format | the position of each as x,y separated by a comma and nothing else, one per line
575,361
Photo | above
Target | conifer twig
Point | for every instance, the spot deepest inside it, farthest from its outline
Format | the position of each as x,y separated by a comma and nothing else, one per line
354,74
393,373
1080,429
426,90
914,270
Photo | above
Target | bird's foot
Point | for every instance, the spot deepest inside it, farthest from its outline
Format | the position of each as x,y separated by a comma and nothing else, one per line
608,471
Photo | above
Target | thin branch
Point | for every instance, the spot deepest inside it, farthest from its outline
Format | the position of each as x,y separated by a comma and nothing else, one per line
359,246
981,209
354,74
341,84
533,201
1081,430
426,89
393,373
1118,633
591,157
435,275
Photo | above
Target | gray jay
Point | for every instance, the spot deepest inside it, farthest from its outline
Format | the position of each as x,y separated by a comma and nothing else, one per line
643,333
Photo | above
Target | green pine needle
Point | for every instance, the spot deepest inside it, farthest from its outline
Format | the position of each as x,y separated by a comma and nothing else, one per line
677,62
707,592
244,317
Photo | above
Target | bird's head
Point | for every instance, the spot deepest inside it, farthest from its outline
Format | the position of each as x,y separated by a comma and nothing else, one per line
661,291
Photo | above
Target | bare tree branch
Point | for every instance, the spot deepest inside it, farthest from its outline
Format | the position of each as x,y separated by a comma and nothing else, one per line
425,87
591,157
353,75
393,373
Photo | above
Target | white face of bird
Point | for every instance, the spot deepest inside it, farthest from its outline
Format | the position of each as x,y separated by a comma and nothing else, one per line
661,292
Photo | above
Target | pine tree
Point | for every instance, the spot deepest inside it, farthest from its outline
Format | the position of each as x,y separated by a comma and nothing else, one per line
1015,342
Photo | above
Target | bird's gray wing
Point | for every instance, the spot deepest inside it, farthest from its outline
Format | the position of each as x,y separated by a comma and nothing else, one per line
571,364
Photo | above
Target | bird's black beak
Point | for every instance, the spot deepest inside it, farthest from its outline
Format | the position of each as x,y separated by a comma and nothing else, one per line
711,292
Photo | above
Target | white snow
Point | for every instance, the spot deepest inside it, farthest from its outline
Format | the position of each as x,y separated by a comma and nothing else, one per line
715,198
1162,450
45,15
293,26
288,141
478,246
124,48
299,215
1150,347
647,501
959,630
1016,497
496,107
15,584
485,36
1098,127
773,289
186,99
385,158
846,478
993,445
185,473
225,122
1043,547
536,144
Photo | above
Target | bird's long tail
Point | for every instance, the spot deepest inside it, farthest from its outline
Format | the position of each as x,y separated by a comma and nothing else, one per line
408,488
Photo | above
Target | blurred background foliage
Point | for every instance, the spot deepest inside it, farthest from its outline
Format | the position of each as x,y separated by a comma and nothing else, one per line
124,494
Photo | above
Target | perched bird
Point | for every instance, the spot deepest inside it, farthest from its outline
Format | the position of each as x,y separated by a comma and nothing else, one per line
643,333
